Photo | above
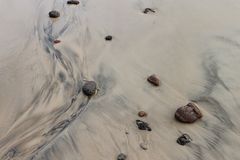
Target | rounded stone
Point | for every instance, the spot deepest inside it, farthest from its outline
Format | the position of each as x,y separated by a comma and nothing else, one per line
188,113
143,146
121,156
108,38
184,139
89,88
153,80
142,114
75,2
54,14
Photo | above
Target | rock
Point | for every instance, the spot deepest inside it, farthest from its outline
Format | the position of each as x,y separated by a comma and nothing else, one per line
121,156
153,80
184,139
143,146
143,125
89,88
56,41
188,114
146,10
108,38
75,2
142,114
54,14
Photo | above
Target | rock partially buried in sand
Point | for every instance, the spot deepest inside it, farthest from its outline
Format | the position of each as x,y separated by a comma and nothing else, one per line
184,139
143,125
54,14
143,146
121,156
147,10
89,88
153,80
188,114
56,41
75,2
142,114
108,38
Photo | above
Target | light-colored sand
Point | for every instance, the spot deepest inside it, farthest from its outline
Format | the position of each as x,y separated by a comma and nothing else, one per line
193,46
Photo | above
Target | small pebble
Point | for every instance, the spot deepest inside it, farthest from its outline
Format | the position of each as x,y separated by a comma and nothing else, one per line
146,10
54,14
143,125
188,113
153,80
121,156
143,146
75,2
142,114
89,88
56,41
108,38
184,139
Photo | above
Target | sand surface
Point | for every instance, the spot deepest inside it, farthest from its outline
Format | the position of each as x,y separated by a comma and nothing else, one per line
192,46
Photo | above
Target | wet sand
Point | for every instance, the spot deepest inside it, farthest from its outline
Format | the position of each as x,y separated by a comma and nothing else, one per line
192,46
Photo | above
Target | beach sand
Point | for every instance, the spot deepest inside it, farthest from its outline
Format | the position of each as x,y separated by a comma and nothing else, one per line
192,46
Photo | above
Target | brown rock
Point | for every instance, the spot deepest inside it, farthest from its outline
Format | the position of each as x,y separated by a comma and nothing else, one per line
153,80
56,41
188,114
142,114
54,14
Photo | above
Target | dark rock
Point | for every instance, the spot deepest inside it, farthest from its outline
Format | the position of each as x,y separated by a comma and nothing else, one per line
89,88
54,14
108,38
75,2
146,10
56,41
153,80
188,114
184,139
142,114
121,156
143,125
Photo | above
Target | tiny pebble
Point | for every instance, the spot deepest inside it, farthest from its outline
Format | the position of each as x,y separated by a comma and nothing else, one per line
54,14
108,38
121,156
146,10
89,88
143,146
184,139
143,125
142,114
56,41
75,2
153,80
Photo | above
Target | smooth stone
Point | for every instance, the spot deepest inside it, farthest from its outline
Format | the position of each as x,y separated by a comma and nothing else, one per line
188,113
143,125
153,80
142,114
121,156
184,139
75,2
89,88
56,41
54,14
108,38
